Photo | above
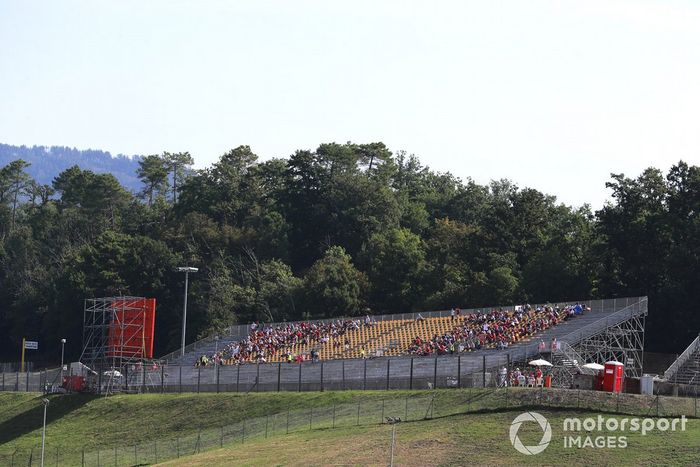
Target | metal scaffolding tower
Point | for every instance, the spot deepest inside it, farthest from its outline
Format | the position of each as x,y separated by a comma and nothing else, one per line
620,337
113,342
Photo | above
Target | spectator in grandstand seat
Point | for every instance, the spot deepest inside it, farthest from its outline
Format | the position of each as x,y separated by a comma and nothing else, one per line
420,317
363,353
554,344
541,346
452,314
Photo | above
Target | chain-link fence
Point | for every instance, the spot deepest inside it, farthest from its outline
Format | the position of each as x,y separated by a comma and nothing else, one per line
406,407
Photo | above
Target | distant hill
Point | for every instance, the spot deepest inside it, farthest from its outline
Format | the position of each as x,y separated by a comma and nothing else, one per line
47,162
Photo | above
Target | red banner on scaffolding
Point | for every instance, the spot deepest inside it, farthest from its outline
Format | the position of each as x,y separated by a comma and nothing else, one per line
132,328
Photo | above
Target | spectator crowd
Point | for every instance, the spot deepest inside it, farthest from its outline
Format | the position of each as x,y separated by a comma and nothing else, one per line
265,341
494,329
471,331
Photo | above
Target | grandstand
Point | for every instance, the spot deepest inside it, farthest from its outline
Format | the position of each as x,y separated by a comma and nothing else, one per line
686,368
612,329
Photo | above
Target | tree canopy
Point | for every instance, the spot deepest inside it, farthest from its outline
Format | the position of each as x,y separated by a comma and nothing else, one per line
345,229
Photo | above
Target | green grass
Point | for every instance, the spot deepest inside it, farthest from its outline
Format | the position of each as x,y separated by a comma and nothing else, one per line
472,439
163,424
76,422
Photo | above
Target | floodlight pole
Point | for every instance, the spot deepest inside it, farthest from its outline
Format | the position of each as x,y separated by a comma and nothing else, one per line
43,433
187,271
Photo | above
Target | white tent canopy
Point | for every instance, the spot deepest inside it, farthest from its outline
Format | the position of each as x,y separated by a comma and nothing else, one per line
594,366
539,362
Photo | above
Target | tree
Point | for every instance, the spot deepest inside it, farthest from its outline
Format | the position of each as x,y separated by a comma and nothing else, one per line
16,183
179,165
153,173
333,287
397,266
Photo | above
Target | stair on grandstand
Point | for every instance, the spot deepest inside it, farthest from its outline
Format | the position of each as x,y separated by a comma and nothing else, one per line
686,368
567,362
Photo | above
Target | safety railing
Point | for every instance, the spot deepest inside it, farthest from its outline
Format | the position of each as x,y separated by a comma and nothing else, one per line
680,361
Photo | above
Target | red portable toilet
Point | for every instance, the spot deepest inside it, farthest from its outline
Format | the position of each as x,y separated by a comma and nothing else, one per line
613,376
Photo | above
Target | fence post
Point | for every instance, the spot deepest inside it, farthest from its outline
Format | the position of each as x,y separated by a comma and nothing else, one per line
388,370
299,389
657,404
343,365
279,375
459,371
287,419
238,375
321,375
199,376
126,376
333,415
382,419
483,371
364,376
406,411
17,383
435,374
358,413
257,377
218,367
99,381
162,379
180,378
3,381
410,380
311,416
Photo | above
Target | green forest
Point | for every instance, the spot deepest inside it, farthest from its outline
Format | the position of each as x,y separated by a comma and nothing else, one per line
346,229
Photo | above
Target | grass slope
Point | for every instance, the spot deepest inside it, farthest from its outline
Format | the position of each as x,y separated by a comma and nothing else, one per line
77,422
473,439
82,421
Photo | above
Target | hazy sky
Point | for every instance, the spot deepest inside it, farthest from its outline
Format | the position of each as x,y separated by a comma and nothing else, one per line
554,95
